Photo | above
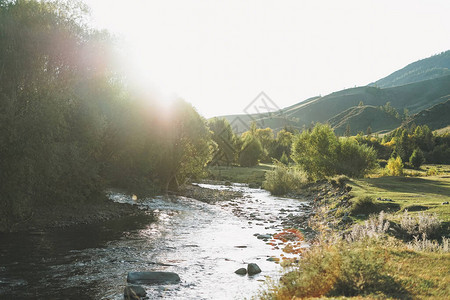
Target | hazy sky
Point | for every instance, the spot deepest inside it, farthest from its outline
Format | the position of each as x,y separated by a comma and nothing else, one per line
219,55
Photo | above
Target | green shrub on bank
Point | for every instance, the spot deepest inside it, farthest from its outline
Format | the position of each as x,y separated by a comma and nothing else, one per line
417,159
339,269
321,154
283,179
364,205
394,166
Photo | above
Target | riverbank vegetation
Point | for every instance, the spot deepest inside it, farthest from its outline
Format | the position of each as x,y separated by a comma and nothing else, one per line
388,237
71,124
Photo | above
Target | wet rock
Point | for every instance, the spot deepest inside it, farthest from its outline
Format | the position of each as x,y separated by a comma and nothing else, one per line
253,185
133,292
153,277
253,269
264,236
241,271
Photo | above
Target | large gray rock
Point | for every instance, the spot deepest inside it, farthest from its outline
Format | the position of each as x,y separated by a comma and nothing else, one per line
241,271
133,292
253,269
153,278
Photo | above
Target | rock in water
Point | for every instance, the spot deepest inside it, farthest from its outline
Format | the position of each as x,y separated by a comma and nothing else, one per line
253,269
133,292
153,277
241,271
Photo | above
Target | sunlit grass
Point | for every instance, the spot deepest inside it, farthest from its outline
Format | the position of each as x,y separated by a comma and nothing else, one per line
255,175
412,193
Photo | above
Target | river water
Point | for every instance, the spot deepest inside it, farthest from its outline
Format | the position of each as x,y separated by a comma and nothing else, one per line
201,242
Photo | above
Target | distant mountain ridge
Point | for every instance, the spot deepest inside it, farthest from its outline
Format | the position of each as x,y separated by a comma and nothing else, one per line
435,117
424,69
360,107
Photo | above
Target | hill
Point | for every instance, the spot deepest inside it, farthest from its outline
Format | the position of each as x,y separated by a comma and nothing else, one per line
424,69
359,118
436,117
415,97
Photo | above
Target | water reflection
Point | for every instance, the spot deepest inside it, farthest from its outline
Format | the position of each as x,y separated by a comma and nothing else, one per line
203,243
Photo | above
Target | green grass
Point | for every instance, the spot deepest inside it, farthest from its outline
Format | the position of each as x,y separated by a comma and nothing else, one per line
412,193
255,175
365,270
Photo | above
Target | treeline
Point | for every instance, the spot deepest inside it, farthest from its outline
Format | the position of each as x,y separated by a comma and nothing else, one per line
408,143
69,126
251,147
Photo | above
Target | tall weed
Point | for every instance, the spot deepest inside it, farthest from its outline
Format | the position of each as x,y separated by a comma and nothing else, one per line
283,179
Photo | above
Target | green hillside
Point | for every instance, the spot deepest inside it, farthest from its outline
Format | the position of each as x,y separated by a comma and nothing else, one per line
359,118
436,117
415,97
424,69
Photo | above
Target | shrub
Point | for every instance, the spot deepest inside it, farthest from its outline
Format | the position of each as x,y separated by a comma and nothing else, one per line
375,227
284,159
353,159
417,159
283,179
430,246
339,269
250,153
338,181
432,172
394,166
423,223
320,153
364,204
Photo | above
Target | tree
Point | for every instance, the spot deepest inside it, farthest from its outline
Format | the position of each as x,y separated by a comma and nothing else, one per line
250,152
369,131
354,159
266,138
52,118
224,137
394,166
186,146
347,131
316,151
417,158
320,153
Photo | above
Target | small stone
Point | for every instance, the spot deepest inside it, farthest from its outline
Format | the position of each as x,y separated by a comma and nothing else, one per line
253,269
153,277
241,271
264,236
133,292
445,203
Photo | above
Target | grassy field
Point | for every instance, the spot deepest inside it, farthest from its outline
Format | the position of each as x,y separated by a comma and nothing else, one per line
254,175
384,266
412,193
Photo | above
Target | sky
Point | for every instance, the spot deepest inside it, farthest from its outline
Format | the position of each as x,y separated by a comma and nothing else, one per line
219,55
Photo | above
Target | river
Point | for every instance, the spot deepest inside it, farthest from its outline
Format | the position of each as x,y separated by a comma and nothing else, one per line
201,242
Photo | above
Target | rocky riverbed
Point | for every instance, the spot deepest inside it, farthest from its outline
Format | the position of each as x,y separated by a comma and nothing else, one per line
204,242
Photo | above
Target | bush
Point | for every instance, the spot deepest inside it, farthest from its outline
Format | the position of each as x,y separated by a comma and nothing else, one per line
364,205
283,179
421,224
417,159
337,270
376,226
394,166
320,153
284,159
250,153
432,172
353,159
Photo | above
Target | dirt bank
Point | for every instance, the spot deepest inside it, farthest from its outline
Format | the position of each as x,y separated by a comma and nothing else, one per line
70,214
